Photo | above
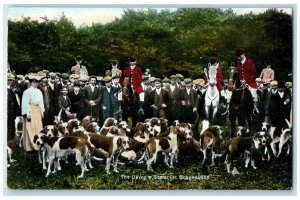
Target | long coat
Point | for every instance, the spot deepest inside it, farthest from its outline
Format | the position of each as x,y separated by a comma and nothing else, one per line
13,110
135,77
247,72
48,118
54,94
174,110
110,105
76,104
88,96
191,101
64,103
219,78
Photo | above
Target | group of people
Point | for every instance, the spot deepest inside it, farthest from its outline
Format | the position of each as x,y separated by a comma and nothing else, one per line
43,97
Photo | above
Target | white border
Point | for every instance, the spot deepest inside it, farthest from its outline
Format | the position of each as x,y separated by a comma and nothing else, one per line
167,3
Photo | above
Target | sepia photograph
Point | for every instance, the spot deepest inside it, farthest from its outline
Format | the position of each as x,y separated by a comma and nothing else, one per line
149,98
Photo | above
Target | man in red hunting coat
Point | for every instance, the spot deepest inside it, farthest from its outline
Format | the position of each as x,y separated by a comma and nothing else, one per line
134,73
247,72
214,70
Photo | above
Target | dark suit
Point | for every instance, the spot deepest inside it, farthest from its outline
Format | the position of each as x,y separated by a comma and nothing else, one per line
88,96
191,101
158,100
64,103
109,103
174,111
77,104
13,110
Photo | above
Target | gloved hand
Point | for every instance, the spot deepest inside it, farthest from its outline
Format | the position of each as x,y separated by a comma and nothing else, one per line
141,111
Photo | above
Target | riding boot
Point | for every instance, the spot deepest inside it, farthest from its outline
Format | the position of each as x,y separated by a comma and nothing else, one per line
223,105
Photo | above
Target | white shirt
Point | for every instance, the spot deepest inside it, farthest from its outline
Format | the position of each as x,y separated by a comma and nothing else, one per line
188,91
158,91
244,60
172,87
92,87
32,96
51,85
108,89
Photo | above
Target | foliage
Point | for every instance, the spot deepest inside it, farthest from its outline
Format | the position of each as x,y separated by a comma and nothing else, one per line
166,42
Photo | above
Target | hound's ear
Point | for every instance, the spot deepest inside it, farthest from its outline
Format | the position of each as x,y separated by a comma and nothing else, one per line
119,141
89,128
44,130
55,131
35,139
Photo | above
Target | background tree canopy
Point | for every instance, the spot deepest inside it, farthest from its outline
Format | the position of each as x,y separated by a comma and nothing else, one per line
166,42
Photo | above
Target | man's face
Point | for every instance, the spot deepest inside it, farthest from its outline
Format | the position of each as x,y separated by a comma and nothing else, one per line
188,85
79,62
115,81
76,89
132,63
44,81
108,84
93,81
157,85
52,80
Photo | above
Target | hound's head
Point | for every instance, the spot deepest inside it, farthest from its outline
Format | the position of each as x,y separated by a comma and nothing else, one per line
39,138
153,126
258,138
240,131
110,122
216,130
74,123
176,123
93,127
185,131
51,131
63,128
265,126
122,142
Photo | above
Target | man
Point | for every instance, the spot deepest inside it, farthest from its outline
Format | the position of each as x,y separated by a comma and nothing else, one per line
92,98
214,71
110,105
274,106
174,109
79,68
54,94
189,102
159,100
247,74
45,89
199,86
76,98
134,73
13,106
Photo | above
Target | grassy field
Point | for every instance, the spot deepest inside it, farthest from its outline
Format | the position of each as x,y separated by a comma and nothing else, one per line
188,173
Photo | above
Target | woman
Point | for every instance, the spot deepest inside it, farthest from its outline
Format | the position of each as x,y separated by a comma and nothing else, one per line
32,111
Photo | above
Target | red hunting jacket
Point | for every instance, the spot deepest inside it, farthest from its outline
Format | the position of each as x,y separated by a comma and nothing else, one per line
247,72
219,78
135,77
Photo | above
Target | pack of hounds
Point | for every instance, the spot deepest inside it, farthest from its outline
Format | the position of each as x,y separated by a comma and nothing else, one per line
120,145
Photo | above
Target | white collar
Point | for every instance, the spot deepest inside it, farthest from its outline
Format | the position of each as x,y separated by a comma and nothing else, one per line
244,60
132,67
158,90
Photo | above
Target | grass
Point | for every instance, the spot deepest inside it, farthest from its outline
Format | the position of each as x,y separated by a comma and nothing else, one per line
188,173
